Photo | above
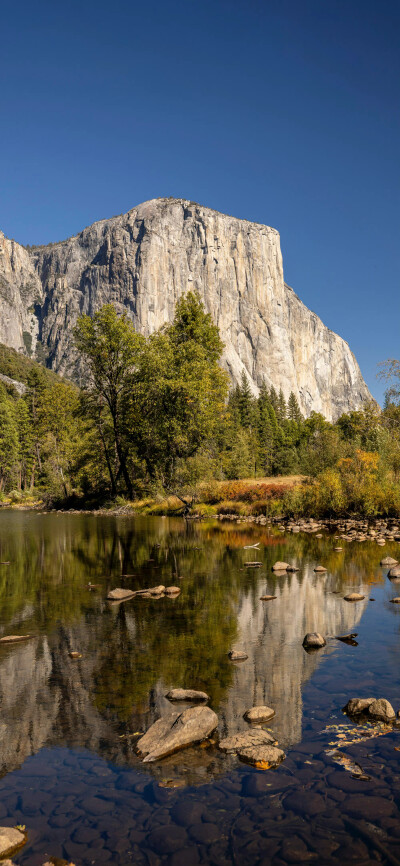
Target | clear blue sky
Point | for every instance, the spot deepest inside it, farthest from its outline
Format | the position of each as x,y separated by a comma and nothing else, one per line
286,112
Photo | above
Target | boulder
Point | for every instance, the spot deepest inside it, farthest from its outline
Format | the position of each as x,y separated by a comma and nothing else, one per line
10,840
381,710
186,695
175,731
354,596
237,655
172,590
395,600
394,572
355,706
259,714
280,566
320,569
247,739
313,640
262,757
388,561
157,590
120,594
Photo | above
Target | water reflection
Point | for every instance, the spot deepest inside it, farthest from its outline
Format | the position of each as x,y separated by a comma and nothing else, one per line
134,652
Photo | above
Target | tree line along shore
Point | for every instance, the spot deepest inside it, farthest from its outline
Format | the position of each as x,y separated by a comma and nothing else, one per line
155,424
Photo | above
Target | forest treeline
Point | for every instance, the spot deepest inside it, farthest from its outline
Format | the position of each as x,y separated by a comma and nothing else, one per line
156,417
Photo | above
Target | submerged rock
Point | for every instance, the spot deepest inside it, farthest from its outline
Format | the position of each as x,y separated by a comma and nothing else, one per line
120,594
259,714
175,731
10,840
354,596
247,739
313,640
186,695
237,655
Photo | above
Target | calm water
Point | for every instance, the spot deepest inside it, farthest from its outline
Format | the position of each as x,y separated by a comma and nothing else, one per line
68,728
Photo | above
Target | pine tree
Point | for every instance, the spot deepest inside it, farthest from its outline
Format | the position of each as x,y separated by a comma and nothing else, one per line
246,401
294,413
281,410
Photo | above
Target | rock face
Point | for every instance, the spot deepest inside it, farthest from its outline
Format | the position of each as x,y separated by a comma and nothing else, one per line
143,261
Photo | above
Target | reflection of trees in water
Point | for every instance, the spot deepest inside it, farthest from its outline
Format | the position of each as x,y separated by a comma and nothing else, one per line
133,652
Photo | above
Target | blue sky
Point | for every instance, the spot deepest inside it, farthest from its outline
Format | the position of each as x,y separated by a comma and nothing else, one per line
286,113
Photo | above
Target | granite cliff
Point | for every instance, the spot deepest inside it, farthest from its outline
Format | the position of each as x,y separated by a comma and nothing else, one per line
143,261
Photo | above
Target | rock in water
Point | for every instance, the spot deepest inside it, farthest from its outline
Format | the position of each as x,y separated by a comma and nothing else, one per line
394,572
120,594
10,840
262,757
388,561
267,597
355,706
320,569
259,714
237,655
354,596
280,566
381,710
172,590
129,259
15,638
186,695
247,739
175,731
313,640
395,600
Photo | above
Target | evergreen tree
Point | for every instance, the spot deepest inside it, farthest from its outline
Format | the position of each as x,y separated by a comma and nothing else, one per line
246,401
294,413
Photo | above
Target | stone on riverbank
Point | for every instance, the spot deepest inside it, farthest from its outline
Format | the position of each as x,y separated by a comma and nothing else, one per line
176,731
186,695
247,739
354,596
259,714
280,566
120,594
10,840
237,655
313,640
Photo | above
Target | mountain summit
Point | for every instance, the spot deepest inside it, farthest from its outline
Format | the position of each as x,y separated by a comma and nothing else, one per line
143,261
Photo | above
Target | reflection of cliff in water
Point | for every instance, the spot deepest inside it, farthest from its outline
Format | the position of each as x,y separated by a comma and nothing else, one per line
48,699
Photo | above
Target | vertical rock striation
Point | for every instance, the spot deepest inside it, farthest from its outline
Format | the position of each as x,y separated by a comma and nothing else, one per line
143,261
